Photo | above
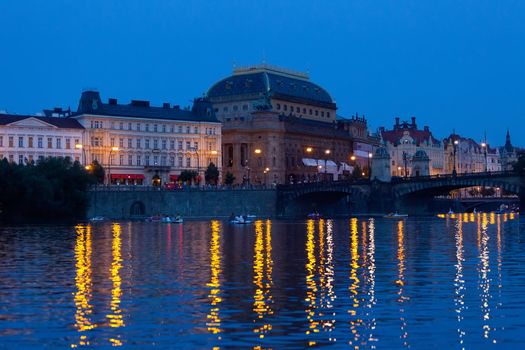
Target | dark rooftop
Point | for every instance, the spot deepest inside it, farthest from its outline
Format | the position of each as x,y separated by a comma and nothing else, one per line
59,122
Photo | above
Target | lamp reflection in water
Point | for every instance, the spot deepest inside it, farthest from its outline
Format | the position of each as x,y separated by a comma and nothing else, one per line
371,282
328,294
311,285
459,281
115,317
83,283
262,279
484,278
355,321
401,280
213,318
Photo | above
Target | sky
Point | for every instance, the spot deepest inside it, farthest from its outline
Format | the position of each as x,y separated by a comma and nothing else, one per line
454,65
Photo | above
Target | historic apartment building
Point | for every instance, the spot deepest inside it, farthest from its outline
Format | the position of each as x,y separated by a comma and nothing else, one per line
403,143
141,144
468,156
280,127
29,138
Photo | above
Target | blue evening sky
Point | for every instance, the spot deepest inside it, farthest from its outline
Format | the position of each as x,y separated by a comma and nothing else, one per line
451,64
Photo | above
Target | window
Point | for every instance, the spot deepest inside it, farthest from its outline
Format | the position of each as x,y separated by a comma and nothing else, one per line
121,142
235,108
138,144
163,161
196,145
155,160
154,127
146,159
138,126
225,109
285,107
11,141
20,141
50,142
298,110
172,129
129,126
155,143
244,107
180,162
20,159
164,144
1,141
328,114
30,141
130,143
322,113
188,145
278,106
11,158
180,129
121,126
147,144
316,112
130,159
138,159
40,140
112,142
172,161
304,110
147,127
68,143
179,146
311,111
187,129
196,130
188,162
112,125
164,128
172,144
121,159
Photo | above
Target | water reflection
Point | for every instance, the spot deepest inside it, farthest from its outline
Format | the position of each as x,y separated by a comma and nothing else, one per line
115,316
214,320
371,284
355,321
262,279
401,280
83,283
459,281
484,270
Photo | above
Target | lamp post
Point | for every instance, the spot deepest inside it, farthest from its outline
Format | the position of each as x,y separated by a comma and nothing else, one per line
370,155
454,172
327,153
266,171
405,155
81,146
484,146
258,152
111,150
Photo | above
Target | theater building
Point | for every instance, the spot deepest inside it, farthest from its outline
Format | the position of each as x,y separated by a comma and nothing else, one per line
279,127
142,144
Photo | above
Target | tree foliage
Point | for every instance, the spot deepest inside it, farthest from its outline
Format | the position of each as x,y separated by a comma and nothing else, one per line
519,166
212,174
54,188
229,178
187,175
97,171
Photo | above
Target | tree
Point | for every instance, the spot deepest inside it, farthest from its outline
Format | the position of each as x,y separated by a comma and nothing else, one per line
357,172
229,178
97,171
212,174
519,166
187,175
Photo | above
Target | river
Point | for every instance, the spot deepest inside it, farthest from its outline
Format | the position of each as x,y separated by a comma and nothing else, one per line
434,282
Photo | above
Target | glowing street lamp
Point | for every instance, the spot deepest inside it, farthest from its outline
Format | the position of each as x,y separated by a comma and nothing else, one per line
81,146
370,155
456,143
327,153
484,146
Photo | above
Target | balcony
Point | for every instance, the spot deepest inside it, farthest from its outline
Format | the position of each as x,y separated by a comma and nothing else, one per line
157,168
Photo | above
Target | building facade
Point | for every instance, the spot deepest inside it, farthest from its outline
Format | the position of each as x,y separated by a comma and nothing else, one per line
468,156
145,145
279,127
404,141
508,154
29,138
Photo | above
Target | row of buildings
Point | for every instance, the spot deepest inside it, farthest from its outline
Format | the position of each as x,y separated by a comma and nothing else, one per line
263,124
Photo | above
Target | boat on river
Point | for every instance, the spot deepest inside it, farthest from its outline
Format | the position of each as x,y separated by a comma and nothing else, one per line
242,219
315,216
395,216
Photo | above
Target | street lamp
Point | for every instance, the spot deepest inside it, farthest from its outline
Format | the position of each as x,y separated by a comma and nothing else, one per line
81,146
484,146
327,153
266,171
111,150
456,143
370,155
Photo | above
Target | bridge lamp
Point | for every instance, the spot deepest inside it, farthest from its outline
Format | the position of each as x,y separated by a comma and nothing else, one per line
327,151
257,151
309,149
352,158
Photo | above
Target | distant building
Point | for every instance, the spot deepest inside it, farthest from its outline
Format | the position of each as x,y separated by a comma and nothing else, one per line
467,155
141,144
280,127
404,141
508,153
29,138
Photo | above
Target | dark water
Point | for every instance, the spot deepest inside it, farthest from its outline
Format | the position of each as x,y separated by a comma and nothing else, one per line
357,283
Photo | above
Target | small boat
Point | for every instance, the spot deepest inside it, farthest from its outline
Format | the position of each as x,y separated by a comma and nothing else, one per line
315,215
154,218
97,218
395,216
241,220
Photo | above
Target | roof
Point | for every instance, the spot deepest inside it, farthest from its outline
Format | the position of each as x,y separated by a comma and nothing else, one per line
419,136
90,103
262,81
59,122
312,127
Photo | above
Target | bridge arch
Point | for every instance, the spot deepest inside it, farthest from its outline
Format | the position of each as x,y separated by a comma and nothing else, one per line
137,209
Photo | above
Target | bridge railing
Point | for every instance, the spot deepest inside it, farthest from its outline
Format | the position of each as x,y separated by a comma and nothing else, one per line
451,176
141,188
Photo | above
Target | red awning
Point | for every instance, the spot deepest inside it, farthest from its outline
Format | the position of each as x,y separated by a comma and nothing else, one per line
128,176
174,177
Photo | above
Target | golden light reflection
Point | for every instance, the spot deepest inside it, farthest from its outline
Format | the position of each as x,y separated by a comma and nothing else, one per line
115,317
371,281
311,285
485,280
401,280
83,283
213,318
459,282
355,321
262,279
328,293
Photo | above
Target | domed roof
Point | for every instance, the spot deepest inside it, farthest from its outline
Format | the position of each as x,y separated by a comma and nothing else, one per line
264,80
420,155
381,152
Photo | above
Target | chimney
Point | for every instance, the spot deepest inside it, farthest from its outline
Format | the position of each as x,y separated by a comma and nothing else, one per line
112,101
177,107
140,103
414,122
397,123
426,128
166,105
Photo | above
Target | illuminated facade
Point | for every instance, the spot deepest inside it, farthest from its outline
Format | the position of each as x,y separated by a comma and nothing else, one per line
279,127
469,156
141,144
28,138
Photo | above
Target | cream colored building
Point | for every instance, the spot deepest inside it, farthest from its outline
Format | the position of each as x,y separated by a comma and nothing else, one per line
29,138
140,144
469,156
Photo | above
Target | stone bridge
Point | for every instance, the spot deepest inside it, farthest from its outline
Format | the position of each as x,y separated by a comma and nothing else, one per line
412,194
